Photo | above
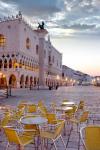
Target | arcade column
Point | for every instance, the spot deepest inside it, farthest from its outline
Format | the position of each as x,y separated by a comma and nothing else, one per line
41,34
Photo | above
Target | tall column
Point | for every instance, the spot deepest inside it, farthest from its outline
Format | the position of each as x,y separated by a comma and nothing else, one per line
41,33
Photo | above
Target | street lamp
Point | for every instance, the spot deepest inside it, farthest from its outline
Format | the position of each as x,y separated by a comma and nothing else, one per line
58,77
66,79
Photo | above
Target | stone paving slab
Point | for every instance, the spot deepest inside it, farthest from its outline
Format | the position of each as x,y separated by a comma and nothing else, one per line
91,96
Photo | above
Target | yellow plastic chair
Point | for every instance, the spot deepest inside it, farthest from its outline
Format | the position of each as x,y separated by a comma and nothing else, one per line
31,108
65,100
14,137
22,104
52,119
40,103
53,106
17,114
53,135
5,120
71,113
81,105
83,118
90,137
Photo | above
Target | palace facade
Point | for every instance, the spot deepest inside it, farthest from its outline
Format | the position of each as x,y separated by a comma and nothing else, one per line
27,57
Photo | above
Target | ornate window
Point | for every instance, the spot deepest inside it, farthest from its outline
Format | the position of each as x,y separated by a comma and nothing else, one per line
10,63
5,63
28,43
2,40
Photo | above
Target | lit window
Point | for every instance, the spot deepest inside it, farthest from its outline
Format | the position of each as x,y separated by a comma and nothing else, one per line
28,44
2,40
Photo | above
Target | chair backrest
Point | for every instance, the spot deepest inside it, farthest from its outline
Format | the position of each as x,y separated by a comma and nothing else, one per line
84,116
20,106
40,103
11,135
51,118
31,108
6,119
65,100
81,105
90,136
59,129
75,107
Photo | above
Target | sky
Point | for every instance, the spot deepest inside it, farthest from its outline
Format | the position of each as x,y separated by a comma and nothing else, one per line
74,27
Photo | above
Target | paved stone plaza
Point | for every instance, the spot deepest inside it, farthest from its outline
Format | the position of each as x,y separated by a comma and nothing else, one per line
91,96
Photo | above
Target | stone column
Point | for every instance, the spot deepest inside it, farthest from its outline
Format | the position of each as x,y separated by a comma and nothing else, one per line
41,33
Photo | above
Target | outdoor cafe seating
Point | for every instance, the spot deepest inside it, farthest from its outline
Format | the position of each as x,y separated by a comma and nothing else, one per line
37,122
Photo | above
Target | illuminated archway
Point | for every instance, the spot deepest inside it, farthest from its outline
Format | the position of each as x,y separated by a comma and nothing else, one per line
10,63
31,80
3,80
35,81
27,82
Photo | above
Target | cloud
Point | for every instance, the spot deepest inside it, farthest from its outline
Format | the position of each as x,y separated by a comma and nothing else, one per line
10,9
36,7
64,17
79,26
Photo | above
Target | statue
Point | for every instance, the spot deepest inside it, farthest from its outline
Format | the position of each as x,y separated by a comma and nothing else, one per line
20,14
41,26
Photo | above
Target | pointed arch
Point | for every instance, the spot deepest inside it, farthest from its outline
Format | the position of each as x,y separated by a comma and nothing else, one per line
12,80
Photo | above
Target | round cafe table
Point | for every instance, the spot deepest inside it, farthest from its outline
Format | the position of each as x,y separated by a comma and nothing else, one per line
68,103
37,120
63,108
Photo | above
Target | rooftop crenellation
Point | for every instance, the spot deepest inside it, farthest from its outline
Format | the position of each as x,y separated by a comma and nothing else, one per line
18,16
10,18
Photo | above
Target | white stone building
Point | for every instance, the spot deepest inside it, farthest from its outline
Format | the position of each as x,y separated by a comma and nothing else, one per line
73,77
26,57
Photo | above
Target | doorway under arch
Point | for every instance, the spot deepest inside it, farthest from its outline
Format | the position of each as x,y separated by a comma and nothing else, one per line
12,81
27,82
22,81
3,81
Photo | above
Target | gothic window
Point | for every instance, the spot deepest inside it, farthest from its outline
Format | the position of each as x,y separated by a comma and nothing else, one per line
20,64
5,63
10,63
2,40
28,43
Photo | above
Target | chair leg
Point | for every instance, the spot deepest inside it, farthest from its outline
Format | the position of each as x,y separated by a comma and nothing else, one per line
54,145
7,145
69,136
79,142
20,147
63,142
